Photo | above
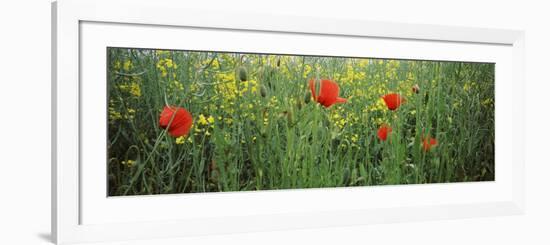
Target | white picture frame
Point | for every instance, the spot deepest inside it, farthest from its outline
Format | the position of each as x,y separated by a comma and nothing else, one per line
71,205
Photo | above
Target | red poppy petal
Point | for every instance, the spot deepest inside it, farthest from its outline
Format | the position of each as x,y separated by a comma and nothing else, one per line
383,132
179,119
182,129
427,143
182,119
165,116
389,102
341,100
329,92
393,100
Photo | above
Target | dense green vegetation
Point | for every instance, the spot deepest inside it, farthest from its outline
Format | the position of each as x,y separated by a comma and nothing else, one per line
256,125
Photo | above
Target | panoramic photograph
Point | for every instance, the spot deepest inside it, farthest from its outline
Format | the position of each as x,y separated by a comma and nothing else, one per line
207,121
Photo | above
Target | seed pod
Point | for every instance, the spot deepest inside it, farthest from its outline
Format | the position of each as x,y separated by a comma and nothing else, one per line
213,169
346,177
243,76
307,98
416,88
263,91
299,104
279,62
289,117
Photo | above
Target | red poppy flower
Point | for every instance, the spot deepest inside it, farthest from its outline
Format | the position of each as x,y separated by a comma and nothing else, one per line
393,101
328,94
427,143
179,119
383,132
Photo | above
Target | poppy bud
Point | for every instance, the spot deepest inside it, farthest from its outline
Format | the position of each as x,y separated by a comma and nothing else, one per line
263,91
243,76
346,176
213,169
307,98
289,117
279,62
416,89
428,143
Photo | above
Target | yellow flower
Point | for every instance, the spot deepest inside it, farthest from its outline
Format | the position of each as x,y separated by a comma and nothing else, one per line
466,87
117,65
162,52
227,85
129,163
380,121
379,106
128,65
487,102
180,140
202,120
130,113
341,123
307,70
228,120
114,115
169,63
135,89
163,64
177,85
210,119
215,63
254,86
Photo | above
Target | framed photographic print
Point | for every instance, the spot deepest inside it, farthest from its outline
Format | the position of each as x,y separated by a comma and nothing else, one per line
172,125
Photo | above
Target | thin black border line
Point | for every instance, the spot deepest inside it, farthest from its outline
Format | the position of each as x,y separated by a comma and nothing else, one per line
298,55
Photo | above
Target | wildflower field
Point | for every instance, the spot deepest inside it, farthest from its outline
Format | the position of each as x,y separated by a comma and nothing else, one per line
189,121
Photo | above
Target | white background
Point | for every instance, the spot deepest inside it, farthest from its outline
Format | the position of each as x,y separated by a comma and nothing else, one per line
25,122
